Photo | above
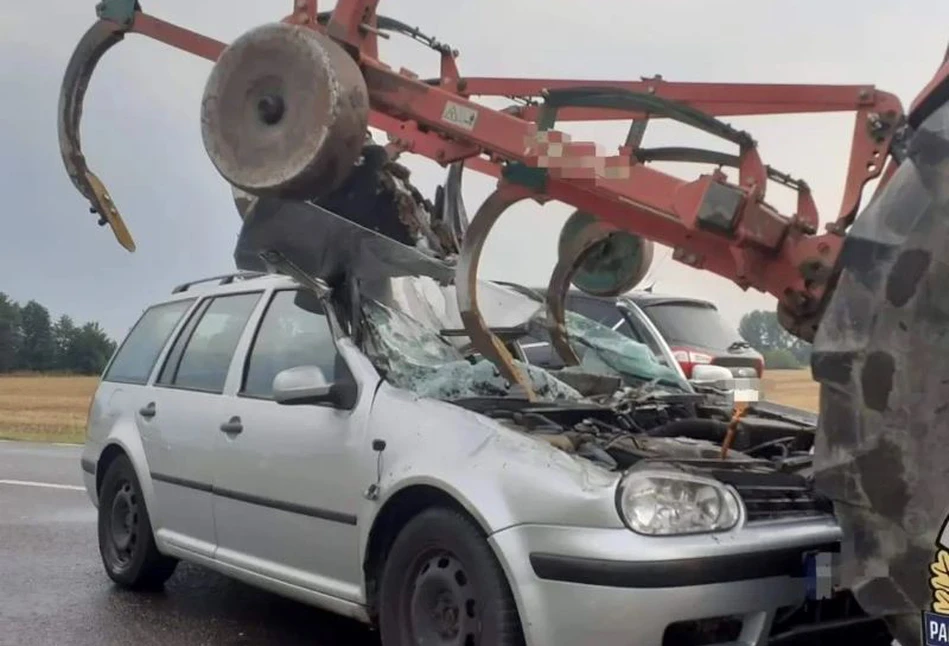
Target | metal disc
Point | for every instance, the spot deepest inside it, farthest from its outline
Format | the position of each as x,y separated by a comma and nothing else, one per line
285,112
616,265
881,354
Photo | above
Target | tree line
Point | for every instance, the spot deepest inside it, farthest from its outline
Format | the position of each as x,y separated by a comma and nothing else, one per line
30,341
779,347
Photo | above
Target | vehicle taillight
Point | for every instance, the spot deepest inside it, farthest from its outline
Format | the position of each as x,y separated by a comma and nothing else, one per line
688,358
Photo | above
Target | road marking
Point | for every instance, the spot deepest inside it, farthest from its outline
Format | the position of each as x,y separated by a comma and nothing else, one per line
48,485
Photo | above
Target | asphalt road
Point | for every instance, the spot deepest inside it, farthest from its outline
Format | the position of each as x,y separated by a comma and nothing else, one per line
53,589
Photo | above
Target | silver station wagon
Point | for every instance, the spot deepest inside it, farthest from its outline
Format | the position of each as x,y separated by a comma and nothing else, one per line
353,452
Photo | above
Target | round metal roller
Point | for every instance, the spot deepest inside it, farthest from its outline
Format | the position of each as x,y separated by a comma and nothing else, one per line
285,112
617,263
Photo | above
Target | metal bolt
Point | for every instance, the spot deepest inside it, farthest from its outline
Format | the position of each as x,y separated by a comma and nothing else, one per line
270,109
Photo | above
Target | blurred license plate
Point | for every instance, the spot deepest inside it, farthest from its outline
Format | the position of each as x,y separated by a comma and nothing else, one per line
820,574
745,390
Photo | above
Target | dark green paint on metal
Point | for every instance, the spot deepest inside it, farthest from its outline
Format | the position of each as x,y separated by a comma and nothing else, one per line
518,173
121,12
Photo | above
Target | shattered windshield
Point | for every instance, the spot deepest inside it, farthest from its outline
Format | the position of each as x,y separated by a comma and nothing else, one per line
418,358
612,352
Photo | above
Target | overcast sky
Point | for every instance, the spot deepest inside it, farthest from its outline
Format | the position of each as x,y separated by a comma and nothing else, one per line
141,131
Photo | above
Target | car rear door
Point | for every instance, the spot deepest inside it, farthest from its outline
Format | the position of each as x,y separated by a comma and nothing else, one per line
290,479
179,422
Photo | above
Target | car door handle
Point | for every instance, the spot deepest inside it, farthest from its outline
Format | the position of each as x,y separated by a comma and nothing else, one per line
232,426
147,411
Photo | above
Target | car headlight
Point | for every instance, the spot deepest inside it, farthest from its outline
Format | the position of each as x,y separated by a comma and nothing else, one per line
665,503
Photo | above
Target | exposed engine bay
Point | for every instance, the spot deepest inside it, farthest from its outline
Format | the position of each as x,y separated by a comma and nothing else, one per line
388,255
619,407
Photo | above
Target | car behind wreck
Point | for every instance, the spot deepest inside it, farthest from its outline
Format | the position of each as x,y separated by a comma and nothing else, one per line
371,462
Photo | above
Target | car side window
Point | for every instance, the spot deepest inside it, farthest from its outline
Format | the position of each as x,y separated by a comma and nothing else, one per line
603,312
203,352
641,333
136,357
294,331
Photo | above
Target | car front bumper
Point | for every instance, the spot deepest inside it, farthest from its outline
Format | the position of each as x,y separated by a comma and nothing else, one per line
611,587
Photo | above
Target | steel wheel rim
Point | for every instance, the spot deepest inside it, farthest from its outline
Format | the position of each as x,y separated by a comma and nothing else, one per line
441,605
123,526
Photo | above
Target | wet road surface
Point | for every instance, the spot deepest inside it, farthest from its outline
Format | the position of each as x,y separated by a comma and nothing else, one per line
53,589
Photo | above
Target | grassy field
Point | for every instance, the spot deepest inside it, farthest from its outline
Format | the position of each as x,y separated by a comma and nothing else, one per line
45,408
791,388
54,408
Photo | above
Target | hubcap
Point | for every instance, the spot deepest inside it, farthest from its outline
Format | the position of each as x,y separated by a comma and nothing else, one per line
123,525
443,608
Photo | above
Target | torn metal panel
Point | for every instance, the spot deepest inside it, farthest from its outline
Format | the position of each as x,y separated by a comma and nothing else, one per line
328,246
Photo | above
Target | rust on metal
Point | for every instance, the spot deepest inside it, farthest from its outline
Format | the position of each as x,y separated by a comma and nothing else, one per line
756,246
571,257
97,40
466,284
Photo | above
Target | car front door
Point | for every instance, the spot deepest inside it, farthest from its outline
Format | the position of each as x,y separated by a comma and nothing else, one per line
290,479
179,422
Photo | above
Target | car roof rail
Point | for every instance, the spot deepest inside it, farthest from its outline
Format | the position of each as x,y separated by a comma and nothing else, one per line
223,279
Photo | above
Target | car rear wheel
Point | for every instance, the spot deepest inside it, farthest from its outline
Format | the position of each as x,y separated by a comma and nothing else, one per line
126,542
441,584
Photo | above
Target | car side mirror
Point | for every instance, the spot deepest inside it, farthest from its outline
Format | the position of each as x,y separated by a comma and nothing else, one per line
706,374
720,377
308,385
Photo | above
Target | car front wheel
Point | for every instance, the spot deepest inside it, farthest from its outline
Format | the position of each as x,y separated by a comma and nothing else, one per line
126,542
442,585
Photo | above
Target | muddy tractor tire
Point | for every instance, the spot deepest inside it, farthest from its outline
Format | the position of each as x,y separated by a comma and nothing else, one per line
881,355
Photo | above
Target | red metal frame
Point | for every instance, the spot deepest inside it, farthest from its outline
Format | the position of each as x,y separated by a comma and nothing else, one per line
779,254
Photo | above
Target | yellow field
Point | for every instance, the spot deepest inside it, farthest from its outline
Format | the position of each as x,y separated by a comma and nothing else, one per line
54,408
45,408
791,388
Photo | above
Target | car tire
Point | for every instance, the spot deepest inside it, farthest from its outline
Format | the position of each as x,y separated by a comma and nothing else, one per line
126,542
441,584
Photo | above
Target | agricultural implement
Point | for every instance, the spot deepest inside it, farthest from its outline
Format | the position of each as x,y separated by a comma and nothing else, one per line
285,116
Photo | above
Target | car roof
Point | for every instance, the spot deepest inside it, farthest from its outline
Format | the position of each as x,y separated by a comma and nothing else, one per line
244,280
228,283
648,299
